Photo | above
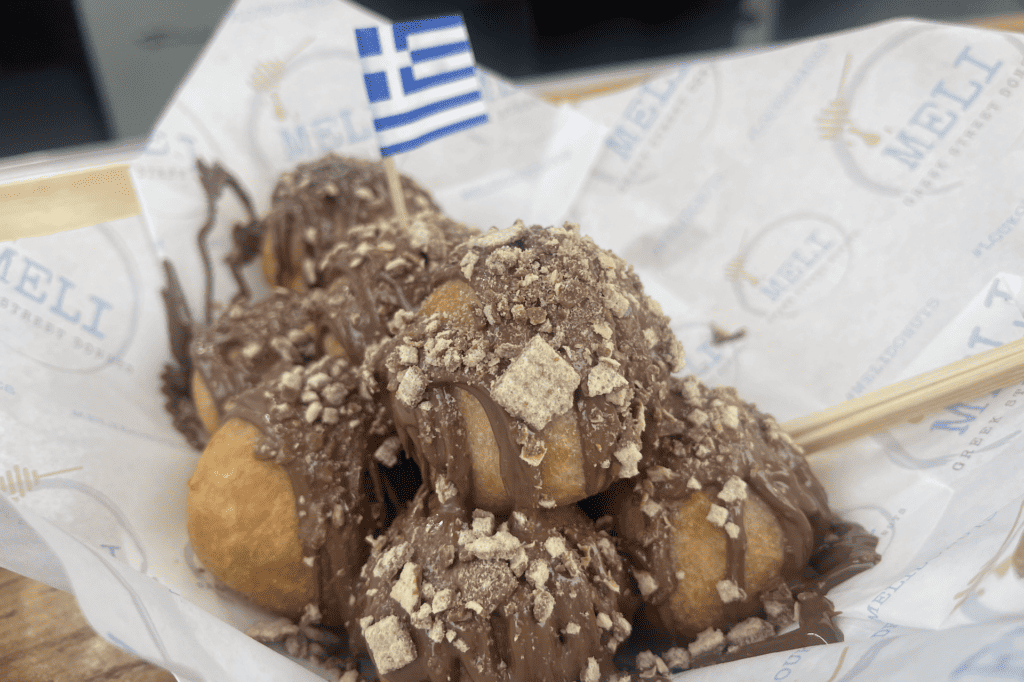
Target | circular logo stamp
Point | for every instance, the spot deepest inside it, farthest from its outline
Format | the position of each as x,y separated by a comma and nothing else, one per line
790,264
947,91
69,301
296,114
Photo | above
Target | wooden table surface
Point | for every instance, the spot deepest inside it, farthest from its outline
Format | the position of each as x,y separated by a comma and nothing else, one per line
45,638
43,635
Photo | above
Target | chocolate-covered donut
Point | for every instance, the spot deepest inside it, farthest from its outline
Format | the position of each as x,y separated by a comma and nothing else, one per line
314,204
249,341
454,595
305,436
539,355
377,269
725,508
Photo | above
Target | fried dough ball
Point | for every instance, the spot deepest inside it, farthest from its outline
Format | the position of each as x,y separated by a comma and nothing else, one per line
313,206
539,355
725,510
287,491
452,595
248,342
377,269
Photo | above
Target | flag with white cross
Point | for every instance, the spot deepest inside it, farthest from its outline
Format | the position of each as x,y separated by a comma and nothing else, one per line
421,80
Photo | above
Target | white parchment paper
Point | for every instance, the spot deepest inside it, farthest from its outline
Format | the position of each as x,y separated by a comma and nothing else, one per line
852,202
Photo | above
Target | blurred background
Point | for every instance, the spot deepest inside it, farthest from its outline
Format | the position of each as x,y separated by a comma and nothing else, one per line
80,73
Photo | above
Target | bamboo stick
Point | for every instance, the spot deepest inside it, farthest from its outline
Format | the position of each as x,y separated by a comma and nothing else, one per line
879,410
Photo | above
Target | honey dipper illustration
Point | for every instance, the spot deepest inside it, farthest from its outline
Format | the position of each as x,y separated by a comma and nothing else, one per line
835,118
267,77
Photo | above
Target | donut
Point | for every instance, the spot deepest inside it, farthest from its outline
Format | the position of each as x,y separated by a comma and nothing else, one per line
452,594
315,203
287,490
247,342
539,355
725,510
378,269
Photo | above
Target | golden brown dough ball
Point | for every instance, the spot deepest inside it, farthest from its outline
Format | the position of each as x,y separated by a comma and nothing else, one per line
725,509
249,341
287,490
313,206
458,595
242,522
540,356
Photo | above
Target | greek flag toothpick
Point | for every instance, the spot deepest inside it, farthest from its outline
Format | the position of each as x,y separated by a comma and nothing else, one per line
421,79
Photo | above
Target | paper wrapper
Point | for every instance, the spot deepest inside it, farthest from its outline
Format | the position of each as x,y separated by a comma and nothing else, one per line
853,203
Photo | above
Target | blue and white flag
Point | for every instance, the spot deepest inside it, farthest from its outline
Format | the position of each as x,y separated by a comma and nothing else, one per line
421,80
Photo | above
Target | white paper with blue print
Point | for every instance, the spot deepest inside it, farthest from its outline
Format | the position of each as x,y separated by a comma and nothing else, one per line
93,478
421,81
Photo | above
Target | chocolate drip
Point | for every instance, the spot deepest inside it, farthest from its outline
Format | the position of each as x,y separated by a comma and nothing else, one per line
214,180
340,499
176,375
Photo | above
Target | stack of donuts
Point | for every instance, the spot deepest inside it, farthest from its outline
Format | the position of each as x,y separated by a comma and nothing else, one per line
469,452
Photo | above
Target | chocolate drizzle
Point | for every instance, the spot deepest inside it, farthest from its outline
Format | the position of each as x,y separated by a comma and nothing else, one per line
314,205
525,293
453,596
318,426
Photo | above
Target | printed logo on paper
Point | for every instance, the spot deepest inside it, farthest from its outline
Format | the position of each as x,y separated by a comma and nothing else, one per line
955,94
74,307
297,114
790,264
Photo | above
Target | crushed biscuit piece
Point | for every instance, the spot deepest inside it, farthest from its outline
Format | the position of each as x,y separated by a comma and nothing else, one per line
698,417
732,530
496,238
442,601
543,605
483,521
650,665
710,641
273,631
592,673
393,559
467,263
406,590
390,645
734,490
629,457
537,385
603,379
445,489
572,629
410,389
555,546
729,591
646,582
661,474
718,515
408,355
313,411
750,631
604,621
537,574
731,416
677,658
387,452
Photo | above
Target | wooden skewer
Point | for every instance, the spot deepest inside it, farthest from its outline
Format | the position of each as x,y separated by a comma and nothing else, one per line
395,189
957,382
